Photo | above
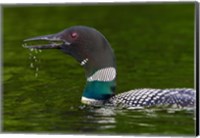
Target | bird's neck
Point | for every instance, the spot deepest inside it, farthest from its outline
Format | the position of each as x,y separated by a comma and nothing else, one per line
100,86
100,69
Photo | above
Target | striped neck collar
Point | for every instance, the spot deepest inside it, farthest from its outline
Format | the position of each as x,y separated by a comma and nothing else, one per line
105,74
100,86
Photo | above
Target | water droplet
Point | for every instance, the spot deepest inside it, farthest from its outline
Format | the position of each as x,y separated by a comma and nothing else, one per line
36,74
23,45
31,65
35,61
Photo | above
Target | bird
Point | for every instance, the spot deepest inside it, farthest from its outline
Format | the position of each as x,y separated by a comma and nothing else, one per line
92,50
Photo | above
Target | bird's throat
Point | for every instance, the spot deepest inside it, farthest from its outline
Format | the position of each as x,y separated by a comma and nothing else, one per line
100,85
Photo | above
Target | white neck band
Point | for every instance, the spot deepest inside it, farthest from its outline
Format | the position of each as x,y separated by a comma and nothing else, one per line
105,74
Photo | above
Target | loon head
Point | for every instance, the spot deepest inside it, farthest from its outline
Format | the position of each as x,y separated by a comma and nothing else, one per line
91,49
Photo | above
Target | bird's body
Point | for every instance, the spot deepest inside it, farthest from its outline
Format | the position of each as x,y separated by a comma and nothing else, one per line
91,49
145,97
154,97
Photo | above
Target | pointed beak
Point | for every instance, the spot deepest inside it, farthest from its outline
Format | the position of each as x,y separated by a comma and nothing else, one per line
53,41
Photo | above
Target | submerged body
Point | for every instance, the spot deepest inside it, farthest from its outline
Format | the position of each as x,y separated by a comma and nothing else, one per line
91,49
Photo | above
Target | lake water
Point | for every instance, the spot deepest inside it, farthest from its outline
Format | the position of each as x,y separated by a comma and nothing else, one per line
154,48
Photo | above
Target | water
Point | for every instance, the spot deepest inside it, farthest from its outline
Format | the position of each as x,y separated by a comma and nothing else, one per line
42,90
34,64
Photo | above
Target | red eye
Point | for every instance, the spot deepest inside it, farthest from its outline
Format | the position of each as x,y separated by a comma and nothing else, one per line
74,35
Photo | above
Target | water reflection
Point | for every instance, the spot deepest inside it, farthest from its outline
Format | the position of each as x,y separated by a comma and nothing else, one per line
105,117
100,119
109,120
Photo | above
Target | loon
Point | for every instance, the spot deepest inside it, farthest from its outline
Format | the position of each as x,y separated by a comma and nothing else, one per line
94,53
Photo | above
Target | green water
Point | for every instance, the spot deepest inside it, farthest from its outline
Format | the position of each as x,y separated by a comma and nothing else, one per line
154,47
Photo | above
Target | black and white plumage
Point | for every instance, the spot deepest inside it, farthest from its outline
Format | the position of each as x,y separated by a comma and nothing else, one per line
150,97
107,74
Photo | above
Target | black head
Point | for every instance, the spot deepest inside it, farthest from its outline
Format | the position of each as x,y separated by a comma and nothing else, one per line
85,44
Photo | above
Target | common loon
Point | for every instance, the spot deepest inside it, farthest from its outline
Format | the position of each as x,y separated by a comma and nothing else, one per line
91,49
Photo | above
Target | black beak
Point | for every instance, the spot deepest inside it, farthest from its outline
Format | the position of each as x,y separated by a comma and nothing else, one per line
53,41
